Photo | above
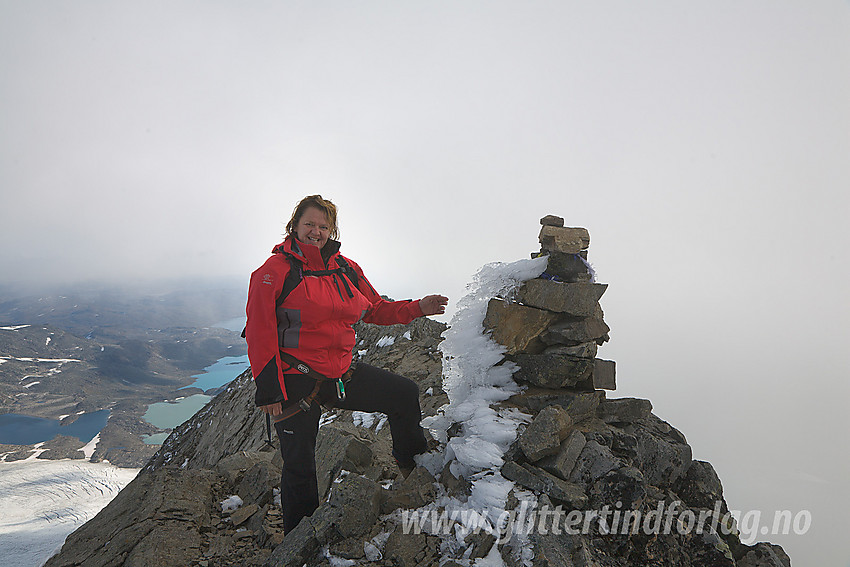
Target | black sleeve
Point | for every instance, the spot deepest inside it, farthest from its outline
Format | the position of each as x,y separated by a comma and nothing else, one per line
268,387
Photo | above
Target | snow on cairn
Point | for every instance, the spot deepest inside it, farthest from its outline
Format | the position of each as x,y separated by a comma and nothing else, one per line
473,382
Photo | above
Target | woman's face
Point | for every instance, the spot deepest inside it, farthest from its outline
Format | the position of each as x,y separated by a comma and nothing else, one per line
313,227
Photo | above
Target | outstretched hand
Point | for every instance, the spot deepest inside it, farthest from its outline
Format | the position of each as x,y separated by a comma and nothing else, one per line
433,304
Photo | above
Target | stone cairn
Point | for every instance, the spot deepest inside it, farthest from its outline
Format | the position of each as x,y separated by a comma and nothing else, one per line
552,327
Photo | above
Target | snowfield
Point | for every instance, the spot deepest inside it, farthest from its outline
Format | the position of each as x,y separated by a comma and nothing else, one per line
44,501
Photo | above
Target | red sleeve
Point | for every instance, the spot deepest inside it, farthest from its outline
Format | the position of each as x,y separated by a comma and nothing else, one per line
383,312
261,330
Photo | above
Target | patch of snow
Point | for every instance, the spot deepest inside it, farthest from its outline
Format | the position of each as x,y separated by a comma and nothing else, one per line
44,501
474,384
230,503
3,359
14,327
406,335
88,448
429,391
361,353
47,341
385,341
337,561
327,417
31,384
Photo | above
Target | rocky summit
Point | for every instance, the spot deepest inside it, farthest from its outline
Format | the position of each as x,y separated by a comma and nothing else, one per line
587,481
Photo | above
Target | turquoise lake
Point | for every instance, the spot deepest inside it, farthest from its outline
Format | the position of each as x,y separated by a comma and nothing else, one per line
170,414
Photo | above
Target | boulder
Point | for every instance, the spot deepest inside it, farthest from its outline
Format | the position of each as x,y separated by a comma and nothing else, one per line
624,410
538,480
574,331
516,326
552,370
564,239
340,447
577,299
765,555
594,462
561,464
552,220
568,267
544,434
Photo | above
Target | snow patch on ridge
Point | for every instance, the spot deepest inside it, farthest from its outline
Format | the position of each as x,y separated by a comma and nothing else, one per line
474,384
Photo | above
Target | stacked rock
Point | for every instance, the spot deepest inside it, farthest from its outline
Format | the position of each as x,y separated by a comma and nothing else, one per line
554,325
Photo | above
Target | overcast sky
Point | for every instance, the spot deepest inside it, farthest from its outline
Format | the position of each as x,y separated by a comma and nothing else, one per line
704,144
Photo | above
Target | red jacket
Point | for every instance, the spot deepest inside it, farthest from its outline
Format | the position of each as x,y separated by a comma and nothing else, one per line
314,322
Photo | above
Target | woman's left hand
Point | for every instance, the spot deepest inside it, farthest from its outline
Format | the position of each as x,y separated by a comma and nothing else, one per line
433,304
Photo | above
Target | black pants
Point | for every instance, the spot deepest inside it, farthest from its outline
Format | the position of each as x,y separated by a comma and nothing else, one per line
370,389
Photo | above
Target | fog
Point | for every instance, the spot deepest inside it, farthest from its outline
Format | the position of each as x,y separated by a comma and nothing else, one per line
704,145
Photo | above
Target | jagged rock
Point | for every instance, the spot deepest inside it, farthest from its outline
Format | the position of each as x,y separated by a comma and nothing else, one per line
584,350
663,455
356,493
533,478
340,447
544,434
258,483
623,444
516,326
570,268
157,519
455,486
576,299
414,492
575,331
299,547
552,370
580,405
564,239
481,543
700,486
765,555
624,410
411,550
552,220
241,515
234,466
594,462
624,485
562,463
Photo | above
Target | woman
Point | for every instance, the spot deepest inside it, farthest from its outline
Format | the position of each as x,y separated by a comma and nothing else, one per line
302,304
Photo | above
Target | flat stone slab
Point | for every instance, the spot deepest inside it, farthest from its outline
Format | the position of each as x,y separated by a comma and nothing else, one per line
575,331
552,370
564,239
580,405
624,410
517,327
577,299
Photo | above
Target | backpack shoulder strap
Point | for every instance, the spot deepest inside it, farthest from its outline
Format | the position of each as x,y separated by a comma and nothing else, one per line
348,271
293,278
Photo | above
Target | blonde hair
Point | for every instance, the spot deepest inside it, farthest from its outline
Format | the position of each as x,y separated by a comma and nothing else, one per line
316,202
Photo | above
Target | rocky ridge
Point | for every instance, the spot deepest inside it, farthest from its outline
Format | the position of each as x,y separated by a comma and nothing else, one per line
208,497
